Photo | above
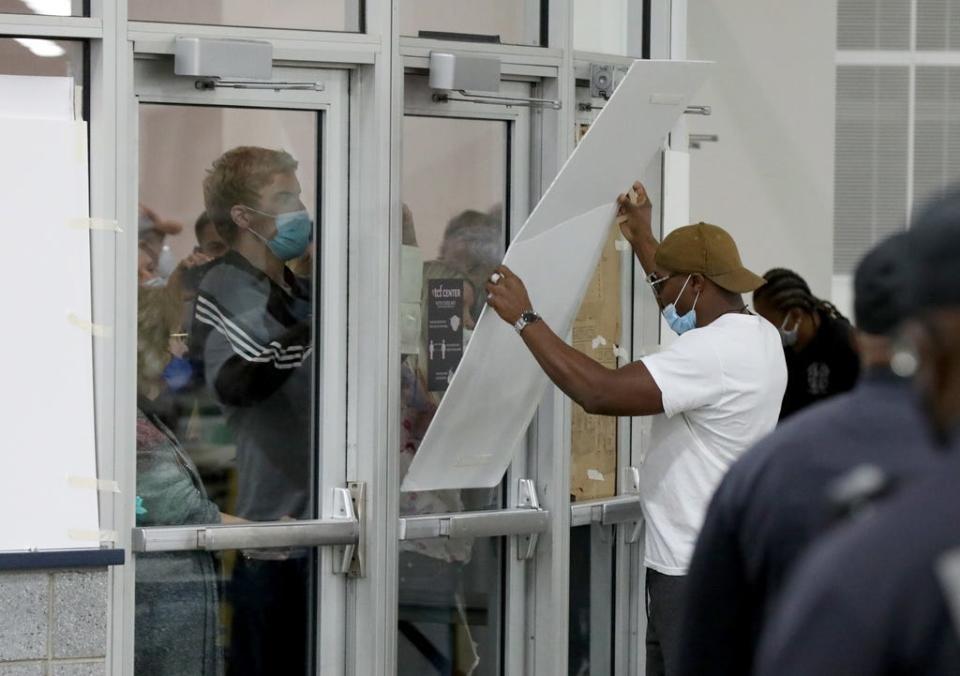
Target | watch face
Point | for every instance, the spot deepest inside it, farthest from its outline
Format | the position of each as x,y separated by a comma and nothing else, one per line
529,317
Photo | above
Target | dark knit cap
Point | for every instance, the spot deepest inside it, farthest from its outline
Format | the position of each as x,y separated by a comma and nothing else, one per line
878,287
932,255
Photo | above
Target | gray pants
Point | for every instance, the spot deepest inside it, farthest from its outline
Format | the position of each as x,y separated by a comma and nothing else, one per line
665,598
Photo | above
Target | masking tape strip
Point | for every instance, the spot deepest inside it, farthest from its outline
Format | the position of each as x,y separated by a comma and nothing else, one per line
598,341
92,483
621,353
92,535
100,330
664,99
594,475
621,244
94,224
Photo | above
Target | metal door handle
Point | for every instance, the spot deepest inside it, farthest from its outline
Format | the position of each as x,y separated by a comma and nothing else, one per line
344,529
621,509
526,521
492,523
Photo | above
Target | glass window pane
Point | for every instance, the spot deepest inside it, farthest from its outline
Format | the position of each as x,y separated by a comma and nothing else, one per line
600,26
454,234
870,178
938,25
592,594
514,22
936,133
873,24
450,611
325,15
225,380
39,56
45,7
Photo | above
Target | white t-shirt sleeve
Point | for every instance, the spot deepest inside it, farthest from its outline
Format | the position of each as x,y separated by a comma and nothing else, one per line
688,373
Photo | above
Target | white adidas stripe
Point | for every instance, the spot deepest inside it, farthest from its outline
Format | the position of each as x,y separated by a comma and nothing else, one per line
285,358
254,346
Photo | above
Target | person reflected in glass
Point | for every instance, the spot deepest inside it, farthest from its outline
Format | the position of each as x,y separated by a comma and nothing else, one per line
176,592
152,239
432,571
473,244
209,241
252,328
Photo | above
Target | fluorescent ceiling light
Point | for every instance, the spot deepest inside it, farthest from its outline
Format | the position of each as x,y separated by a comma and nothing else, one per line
50,7
42,47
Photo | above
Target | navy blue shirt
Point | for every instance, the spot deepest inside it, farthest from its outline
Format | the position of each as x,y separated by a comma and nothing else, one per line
772,504
873,598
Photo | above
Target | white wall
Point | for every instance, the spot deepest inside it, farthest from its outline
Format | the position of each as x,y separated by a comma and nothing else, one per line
769,180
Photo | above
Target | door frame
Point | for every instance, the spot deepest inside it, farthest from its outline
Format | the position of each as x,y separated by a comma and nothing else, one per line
155,83
418,101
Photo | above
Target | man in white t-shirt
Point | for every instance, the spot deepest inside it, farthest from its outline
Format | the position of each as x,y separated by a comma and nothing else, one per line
714,391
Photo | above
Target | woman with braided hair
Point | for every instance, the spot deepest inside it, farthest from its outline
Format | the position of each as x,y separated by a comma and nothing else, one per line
818,341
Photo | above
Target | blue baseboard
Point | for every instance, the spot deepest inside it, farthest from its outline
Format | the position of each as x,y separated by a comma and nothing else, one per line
61,558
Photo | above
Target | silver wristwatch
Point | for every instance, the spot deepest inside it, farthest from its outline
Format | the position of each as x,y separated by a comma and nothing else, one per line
526,319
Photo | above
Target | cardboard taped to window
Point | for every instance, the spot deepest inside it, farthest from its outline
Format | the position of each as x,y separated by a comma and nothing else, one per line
495,392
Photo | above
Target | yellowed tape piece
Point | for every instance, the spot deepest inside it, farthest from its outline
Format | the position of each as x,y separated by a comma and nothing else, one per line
662,99
99,330
94,224
81,141
92,535
92,483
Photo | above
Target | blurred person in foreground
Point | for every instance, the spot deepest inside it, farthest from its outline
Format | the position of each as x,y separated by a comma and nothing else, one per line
881,596
773,502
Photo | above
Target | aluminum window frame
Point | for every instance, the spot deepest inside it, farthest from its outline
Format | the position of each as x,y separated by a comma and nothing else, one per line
376,59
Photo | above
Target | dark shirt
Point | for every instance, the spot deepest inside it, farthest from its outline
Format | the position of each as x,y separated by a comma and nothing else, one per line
771,505
874,597
254,339
827,366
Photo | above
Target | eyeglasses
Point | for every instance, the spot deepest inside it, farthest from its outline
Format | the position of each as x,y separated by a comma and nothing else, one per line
655,281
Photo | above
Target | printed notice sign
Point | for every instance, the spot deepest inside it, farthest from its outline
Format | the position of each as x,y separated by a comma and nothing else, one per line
444,331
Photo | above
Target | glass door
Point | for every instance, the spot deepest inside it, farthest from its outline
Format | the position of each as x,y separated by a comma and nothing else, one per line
244,523
461,568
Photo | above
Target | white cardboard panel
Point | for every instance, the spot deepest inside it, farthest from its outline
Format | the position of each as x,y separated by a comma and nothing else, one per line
46,393
495,392
36,97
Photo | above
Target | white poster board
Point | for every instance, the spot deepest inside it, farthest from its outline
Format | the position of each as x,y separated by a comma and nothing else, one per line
48,492
496,390
46,97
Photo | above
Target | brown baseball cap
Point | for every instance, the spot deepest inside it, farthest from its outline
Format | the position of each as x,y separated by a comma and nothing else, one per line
710,251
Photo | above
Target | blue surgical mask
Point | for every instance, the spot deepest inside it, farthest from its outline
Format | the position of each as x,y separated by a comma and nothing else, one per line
681,325
789,337
294,232
178,373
